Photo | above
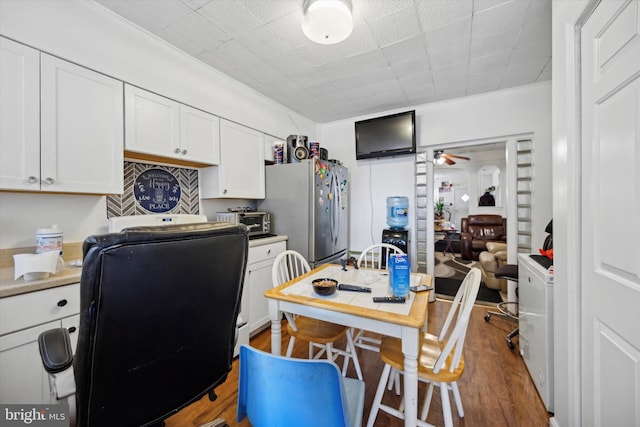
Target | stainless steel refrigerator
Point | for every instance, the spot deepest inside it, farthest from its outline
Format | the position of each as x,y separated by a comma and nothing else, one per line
309,203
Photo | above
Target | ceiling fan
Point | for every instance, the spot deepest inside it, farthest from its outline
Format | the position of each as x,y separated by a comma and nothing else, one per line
440,157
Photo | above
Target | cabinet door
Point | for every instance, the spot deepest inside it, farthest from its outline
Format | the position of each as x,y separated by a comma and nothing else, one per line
82,129
24,379
151,123
241,170
199,136
19,116
258,281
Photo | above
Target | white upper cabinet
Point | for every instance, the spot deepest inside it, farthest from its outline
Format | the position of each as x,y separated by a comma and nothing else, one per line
62,127
81,129
199,136
19,116
159,126
241,170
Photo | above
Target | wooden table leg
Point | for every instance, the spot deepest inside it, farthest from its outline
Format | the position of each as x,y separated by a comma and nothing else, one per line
276,328
410,350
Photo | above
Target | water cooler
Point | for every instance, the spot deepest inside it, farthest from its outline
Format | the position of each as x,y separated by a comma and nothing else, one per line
396,237
397,220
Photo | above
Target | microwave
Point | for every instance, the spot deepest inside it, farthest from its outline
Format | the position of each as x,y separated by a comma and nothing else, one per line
258,223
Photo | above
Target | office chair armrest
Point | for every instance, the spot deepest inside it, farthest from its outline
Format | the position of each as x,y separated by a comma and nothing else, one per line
57,358
55,350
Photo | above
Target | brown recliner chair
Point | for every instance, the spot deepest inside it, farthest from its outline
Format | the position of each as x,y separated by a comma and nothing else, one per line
477,230
490,260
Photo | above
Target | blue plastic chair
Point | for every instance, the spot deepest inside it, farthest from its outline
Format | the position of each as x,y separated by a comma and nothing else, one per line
276,391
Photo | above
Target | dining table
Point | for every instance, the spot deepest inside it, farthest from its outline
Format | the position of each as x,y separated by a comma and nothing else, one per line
358,310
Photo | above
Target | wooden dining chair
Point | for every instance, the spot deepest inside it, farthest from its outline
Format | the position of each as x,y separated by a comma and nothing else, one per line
374,256
440,358
319,334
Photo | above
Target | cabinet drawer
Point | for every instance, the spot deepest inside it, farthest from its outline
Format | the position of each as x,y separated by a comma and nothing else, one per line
265,252
27,310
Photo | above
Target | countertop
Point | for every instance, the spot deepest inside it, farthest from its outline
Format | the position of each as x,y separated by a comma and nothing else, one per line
70,274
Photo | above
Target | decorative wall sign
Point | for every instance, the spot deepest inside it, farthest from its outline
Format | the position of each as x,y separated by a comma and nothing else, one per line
188,201
157,190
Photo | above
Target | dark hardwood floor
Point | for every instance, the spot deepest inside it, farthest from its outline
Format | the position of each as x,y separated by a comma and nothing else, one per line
496,388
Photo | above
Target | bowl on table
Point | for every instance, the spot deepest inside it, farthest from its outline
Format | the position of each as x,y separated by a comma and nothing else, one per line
325,286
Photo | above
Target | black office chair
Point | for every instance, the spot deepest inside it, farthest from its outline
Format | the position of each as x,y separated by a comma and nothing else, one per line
509,272
157,323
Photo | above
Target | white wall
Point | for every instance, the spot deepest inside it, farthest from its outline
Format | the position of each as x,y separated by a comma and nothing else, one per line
85,33
495,115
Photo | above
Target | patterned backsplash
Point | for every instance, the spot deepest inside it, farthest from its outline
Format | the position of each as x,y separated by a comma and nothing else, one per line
153,189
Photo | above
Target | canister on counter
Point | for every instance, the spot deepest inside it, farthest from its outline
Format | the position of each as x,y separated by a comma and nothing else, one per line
49,239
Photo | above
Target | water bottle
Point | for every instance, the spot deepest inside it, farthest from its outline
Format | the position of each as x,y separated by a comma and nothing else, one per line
397,211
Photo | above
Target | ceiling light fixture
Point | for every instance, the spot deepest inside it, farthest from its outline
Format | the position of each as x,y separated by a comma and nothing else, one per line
327,21
438,158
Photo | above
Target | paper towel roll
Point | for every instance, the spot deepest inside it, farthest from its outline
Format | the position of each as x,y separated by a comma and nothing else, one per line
35,266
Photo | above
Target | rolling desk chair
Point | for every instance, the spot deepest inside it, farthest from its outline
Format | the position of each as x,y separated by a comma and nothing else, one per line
158,311
509,272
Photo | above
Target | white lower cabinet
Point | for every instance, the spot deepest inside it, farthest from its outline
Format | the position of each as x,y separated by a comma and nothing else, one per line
23,378
257,282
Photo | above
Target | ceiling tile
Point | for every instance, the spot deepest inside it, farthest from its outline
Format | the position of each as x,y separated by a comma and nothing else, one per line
498,19
482,64
230,16
371,10
268,10
457,33
405,49
453,54
394,27
203,33
494,43
434,14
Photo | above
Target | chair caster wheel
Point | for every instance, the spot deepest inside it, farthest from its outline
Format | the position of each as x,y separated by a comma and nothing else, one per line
510,344
487,317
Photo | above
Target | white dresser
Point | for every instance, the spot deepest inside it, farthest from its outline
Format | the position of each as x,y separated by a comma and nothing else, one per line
536,325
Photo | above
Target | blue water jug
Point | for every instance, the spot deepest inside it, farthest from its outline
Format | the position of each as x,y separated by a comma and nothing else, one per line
397,211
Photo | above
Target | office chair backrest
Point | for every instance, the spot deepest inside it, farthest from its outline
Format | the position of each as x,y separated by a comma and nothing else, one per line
461,310
277,391
159,307
373,256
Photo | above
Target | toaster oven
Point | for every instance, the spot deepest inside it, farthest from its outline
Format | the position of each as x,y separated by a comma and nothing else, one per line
258,223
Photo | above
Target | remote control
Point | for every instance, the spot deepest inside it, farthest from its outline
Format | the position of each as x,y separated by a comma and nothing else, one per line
421,288
389,299
345,287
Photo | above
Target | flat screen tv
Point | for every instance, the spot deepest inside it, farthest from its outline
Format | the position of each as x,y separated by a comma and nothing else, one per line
391,135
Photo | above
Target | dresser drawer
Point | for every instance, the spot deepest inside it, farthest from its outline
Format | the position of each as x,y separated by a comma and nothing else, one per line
265,252
34,308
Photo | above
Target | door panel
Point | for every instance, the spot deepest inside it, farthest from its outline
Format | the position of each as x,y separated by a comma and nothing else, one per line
610,207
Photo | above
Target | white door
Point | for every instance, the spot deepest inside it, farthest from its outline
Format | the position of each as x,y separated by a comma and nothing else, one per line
610,210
